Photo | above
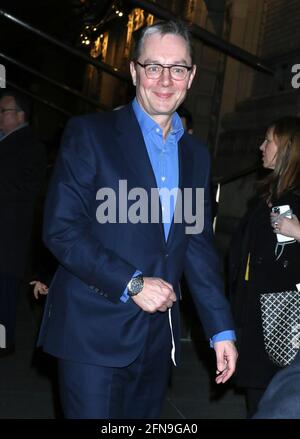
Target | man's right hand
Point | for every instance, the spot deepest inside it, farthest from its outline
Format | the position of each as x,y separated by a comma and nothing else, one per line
156,295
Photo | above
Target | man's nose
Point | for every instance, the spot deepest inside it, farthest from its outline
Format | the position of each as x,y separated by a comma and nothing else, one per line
165,76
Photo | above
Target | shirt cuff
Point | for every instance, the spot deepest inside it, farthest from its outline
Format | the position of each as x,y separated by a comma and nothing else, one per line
221,336
125,296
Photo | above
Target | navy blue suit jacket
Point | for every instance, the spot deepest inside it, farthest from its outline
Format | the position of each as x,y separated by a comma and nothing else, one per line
84,319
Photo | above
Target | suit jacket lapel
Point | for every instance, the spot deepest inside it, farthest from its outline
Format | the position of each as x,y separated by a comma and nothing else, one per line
132,145
185,163
135,154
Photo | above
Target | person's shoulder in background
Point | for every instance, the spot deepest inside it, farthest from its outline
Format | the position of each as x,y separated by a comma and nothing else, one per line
281,400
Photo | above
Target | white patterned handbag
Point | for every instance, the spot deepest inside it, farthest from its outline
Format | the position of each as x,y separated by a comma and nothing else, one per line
281,325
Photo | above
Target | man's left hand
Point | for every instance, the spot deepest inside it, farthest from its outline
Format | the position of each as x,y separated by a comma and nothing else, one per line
226,355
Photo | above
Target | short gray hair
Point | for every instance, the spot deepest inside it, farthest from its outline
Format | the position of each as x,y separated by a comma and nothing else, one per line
164,28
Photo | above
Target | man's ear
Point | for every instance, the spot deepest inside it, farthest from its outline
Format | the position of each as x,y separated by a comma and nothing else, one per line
192,75
133,72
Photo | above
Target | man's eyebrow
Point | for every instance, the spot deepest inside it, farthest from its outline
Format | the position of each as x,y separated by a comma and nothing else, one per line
155,61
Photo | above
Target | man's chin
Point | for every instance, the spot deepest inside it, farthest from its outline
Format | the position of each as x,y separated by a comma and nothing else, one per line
165,109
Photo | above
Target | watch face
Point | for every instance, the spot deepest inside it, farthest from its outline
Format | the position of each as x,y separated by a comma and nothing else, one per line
136,285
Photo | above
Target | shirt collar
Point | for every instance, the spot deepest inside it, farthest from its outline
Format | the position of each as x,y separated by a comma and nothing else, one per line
13,131
147,124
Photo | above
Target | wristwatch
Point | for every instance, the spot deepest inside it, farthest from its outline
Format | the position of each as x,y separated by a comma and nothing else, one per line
135,285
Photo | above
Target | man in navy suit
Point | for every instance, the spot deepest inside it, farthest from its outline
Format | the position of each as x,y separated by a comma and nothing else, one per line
111,316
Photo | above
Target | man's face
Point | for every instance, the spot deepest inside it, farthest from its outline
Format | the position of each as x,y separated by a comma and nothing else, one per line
161,97
11,118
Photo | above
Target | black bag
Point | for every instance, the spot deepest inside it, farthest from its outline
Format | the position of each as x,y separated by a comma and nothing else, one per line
281,325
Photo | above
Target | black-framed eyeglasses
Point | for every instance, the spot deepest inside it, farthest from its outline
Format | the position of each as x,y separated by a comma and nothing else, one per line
154,71
4,110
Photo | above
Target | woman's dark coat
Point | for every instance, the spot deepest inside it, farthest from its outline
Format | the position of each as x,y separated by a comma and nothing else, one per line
255,235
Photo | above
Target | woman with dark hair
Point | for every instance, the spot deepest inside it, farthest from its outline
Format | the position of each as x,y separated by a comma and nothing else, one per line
261,262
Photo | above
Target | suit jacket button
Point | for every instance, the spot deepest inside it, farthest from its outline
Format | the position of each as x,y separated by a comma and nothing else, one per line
285,263
166,255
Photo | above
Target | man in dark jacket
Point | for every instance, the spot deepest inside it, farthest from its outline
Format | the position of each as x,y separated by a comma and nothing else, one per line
112,316
22,168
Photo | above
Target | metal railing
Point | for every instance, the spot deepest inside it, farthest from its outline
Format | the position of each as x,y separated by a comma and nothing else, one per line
73,51
57,84
38,98
114,71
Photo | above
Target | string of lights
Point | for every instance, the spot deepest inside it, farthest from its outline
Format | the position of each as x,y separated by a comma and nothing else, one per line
92,29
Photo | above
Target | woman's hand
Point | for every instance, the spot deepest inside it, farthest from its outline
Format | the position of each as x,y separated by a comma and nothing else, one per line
286,226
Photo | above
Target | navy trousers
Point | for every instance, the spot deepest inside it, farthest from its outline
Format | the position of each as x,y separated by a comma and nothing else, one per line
136,391
9,293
